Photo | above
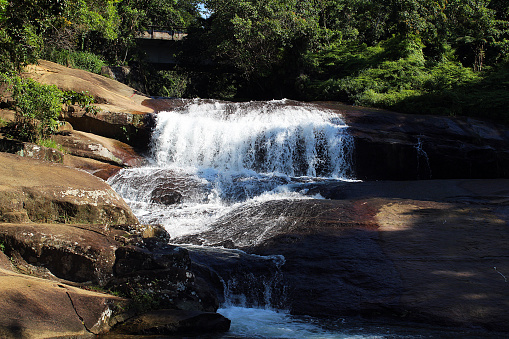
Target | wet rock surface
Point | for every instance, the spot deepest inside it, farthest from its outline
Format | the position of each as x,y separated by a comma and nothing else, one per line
395,146
171,322
240,278
428,251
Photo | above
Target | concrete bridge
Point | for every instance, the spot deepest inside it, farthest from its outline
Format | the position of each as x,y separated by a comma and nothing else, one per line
157,43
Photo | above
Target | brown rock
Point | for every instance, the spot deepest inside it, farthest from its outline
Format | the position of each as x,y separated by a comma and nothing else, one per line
432,251
98,168
107,91
30,150
69,252
122,115
97,155
38,308
48,192
396,146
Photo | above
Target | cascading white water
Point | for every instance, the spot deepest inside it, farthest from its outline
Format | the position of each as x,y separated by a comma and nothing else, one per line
294,140
214,160
212,155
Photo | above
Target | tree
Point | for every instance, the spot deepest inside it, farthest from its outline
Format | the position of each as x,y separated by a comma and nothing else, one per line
258,39
477,28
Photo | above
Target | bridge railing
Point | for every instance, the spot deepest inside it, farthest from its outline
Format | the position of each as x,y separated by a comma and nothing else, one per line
163,33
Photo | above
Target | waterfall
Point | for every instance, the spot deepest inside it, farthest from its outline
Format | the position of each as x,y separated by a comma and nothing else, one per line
213,164
276,137
208,157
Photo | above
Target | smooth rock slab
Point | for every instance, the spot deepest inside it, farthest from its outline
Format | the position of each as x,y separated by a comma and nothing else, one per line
432,251
38,191
38,308
397,146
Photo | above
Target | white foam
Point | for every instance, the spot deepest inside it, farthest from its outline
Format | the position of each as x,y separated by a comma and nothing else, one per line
281,139
268,323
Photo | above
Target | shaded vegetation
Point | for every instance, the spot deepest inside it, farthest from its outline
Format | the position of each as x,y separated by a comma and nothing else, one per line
442,57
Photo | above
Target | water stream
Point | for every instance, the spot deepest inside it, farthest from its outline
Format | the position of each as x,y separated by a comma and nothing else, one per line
209,159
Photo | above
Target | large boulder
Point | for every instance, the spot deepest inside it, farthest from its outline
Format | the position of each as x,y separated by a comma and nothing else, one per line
70,228
172,322
419,250
111,93
100,156
40,308
103,149
77,253
39,191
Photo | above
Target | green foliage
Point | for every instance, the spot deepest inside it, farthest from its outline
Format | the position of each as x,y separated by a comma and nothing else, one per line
49,143
256,37
76,59
27,26
83,99
139,15
37,108
173,84
441,57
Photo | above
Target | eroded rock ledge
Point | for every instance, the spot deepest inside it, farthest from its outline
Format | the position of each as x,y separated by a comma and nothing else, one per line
61,229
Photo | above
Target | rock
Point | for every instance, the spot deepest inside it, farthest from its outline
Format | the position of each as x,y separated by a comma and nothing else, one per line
173,322
169,186
130,127
93,237
106,91
7,115
100,156
160,277
38,308
73,253
394,146
165,196
5,262
30,150
97,168
430,251
153,274
47,192
240,278
122,115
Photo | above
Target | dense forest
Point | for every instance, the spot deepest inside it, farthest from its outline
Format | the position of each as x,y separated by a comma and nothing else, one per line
416,56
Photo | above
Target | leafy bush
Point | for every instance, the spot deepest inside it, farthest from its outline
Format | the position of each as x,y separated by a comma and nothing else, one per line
83,99
76,59
173,84
49,143
37,108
